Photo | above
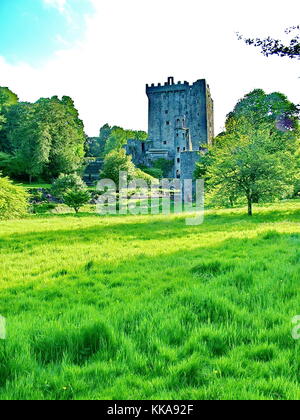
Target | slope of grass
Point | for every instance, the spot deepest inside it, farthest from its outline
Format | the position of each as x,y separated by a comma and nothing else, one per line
146,307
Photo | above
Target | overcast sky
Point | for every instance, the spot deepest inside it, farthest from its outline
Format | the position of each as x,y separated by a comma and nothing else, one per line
103,52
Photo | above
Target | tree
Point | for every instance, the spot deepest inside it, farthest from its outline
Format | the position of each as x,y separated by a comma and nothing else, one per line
29,139
13,200
67,135
7,99
119,137
76,198
46,138
112,138
255,157
115,162
67,182
246,167
270,46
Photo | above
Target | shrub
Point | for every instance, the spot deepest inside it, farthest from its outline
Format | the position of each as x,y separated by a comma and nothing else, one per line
13,200
42,208
65,183
164,165
154,172
76,198
116,162
139,174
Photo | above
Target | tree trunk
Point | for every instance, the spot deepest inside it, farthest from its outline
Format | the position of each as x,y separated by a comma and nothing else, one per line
250,211
30,179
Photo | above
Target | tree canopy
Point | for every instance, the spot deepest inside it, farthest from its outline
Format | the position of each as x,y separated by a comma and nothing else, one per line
255,158
45,138
270,46
112,138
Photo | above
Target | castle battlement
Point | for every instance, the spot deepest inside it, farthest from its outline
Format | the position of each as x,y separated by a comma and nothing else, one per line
180,121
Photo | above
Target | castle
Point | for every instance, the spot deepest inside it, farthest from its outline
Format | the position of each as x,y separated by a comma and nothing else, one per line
181,123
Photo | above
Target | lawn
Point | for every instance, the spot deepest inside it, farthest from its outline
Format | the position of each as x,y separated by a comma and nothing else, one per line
145,307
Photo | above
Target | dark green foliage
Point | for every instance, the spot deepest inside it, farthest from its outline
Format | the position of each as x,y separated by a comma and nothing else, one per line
42,139
76,198
153,172
115,162
66,182
270,46
7,98
164,166
255,159
112,138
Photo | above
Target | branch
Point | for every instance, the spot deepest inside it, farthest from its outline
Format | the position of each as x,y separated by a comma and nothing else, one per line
270,46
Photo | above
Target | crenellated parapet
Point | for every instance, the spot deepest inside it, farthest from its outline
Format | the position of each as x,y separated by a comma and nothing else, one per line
180,125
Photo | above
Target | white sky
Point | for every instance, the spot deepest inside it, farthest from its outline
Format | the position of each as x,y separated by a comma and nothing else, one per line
129,43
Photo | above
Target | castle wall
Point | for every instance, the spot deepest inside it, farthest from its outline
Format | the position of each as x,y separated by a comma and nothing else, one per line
188,164
181,123
180,105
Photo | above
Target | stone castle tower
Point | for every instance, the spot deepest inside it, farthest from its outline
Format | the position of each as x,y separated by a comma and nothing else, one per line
181,123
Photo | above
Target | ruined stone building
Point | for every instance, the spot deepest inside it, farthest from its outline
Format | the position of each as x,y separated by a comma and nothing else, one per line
181,123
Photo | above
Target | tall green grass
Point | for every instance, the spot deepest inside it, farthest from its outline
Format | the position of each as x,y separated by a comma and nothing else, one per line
146,307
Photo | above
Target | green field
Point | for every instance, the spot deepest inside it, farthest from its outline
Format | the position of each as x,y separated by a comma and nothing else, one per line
146,307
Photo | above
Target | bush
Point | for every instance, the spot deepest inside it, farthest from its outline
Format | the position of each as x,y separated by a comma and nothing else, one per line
13,200
139,174
154,172
164,165
42,208
65,183
76,198
116,162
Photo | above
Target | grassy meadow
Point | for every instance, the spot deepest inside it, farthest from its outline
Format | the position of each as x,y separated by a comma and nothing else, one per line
145,307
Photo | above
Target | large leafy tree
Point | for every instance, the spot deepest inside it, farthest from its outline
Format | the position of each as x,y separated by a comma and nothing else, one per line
46,138
271,46
7,99
248,166
255,158
29,140
67,135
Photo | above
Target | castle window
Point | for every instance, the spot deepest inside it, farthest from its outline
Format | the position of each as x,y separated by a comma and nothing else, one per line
165,142
178,149
178,160
166,111
177,135
184,149
168,122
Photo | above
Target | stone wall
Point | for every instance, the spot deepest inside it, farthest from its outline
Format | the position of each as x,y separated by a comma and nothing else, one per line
181,121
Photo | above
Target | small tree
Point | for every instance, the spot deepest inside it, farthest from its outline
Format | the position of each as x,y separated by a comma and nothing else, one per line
115,162
67,182
248,165
76,198
13,200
